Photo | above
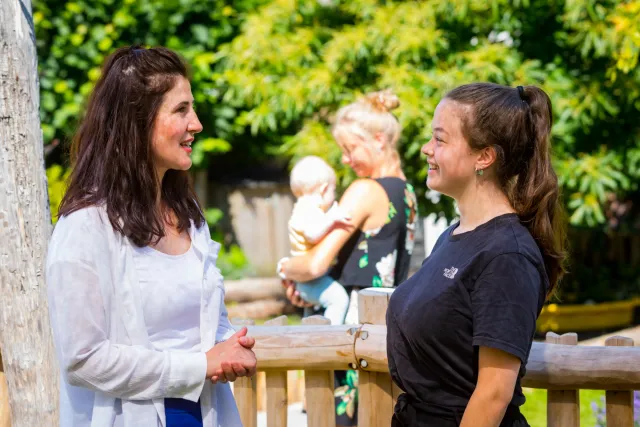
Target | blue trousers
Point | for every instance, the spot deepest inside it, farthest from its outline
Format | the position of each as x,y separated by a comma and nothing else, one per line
182,413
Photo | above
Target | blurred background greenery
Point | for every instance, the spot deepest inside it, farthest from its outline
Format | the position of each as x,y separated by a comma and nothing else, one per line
267,75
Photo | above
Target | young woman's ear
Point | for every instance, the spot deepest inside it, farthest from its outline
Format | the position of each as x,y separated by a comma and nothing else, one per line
486,157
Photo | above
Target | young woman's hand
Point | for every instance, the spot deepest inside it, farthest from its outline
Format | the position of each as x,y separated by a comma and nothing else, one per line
232,358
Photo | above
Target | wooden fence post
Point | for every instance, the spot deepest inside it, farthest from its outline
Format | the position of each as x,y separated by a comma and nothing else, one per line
377,393
277,403
563,406
319,385
619,402
245,391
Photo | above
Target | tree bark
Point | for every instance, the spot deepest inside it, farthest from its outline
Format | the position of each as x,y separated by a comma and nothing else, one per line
25,226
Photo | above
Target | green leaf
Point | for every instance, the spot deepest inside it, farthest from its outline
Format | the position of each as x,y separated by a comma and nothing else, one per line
364,261
377,282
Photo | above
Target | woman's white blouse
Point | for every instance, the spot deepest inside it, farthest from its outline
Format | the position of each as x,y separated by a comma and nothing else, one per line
111,375
170,288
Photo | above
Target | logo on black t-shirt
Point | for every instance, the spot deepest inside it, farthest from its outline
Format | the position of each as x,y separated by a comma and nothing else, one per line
450,273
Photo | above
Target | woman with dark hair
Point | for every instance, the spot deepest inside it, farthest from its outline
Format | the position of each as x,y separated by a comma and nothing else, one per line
135,298
460,330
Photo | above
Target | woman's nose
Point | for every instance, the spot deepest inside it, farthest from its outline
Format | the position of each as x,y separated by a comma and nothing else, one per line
426,149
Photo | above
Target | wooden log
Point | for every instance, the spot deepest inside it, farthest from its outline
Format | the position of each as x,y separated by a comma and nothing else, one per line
30,369
371,346
259,309
563,406
245,393
322,347
321,408
565,367
375,398
550,366
253,289
619,403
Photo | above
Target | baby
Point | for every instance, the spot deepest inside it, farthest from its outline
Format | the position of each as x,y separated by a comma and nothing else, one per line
315,213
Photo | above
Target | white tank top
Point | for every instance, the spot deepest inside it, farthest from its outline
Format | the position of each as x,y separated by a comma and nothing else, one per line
171,290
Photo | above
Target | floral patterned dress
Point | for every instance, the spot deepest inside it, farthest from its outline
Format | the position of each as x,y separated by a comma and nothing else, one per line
375,258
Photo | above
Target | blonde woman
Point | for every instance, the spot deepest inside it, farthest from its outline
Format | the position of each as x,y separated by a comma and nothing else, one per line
375,249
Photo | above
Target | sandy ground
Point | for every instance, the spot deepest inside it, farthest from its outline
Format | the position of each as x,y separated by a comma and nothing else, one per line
295,417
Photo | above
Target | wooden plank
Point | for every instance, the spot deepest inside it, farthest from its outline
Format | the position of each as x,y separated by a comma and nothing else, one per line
619,403
316,319
264,394
372,305
277,321
246,398
261,391
245,392
375,398
366,384
319,385
563,406
321,409
277,399
632,332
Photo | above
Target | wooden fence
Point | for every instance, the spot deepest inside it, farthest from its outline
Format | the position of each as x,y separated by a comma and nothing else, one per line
558,365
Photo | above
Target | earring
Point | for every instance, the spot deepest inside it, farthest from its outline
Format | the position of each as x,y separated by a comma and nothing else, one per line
479,172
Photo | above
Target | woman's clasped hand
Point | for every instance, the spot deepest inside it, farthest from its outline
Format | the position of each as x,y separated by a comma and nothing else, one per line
232,358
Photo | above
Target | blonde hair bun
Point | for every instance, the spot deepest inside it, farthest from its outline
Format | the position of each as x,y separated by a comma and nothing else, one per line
384,100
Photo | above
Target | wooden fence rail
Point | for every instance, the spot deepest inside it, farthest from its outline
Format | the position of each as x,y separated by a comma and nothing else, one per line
558,365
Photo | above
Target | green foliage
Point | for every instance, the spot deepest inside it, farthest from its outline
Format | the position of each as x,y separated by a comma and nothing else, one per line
267,74
57,184
74,37
232,262
297,61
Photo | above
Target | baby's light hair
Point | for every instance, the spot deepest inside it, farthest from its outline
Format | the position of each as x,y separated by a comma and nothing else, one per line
309,173
369,116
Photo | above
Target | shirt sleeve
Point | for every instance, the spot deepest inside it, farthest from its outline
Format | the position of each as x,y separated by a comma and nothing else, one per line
505,303
87,357
225,329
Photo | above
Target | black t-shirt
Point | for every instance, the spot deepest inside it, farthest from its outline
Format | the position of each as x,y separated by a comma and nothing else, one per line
485,287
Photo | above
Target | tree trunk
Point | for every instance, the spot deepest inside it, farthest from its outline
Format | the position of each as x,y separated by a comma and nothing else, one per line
25,225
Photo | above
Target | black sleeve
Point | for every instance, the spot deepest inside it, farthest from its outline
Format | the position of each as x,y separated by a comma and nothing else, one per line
505,303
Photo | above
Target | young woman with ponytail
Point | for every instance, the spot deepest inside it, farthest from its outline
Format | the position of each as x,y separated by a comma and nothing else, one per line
460,329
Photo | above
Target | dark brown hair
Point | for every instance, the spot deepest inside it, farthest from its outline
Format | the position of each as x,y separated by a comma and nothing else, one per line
517,123
111,157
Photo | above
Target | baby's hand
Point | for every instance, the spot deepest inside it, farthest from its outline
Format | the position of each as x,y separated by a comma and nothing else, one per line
339,215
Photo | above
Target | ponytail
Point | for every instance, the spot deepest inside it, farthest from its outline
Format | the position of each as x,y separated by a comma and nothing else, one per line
517,123
535,195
